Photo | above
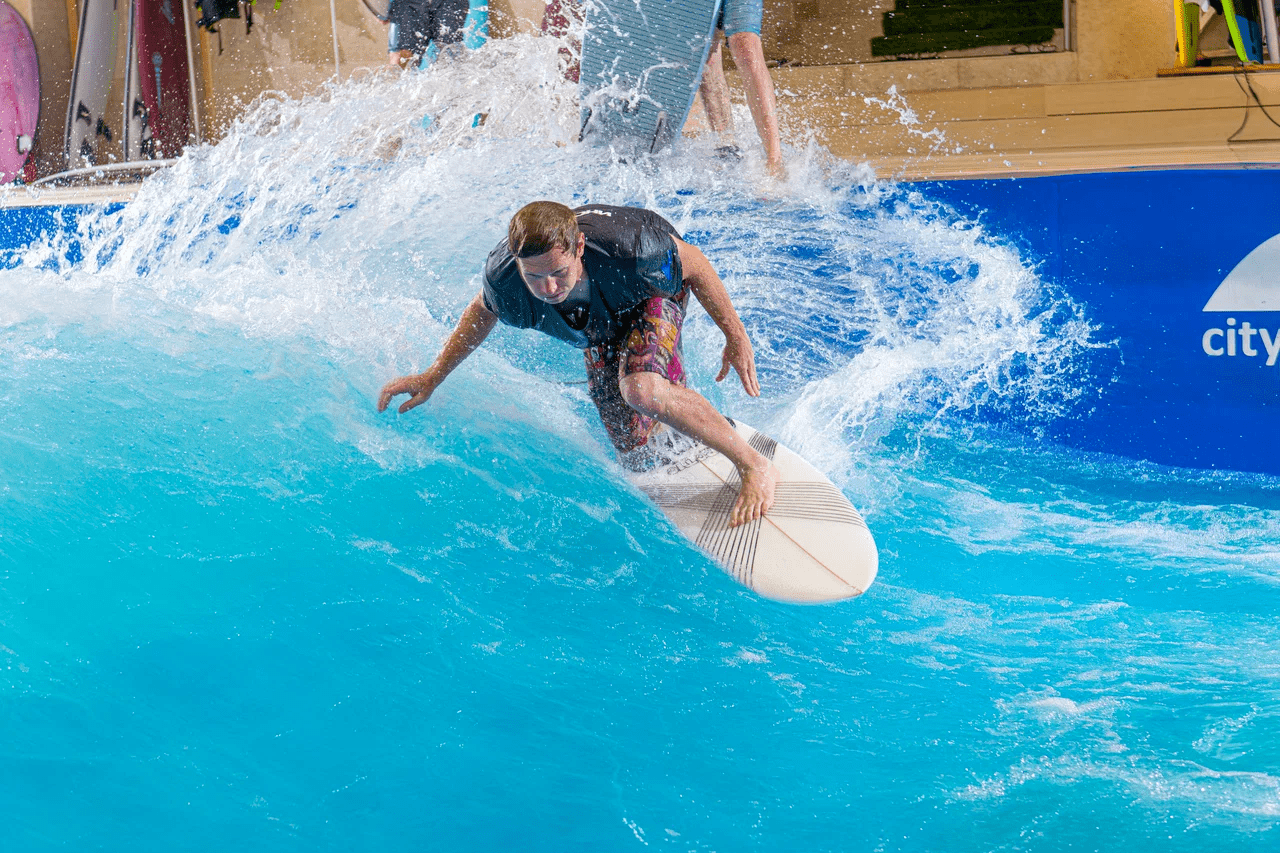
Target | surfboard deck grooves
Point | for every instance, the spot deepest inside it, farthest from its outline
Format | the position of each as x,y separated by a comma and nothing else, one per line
791,500
641,64
811,546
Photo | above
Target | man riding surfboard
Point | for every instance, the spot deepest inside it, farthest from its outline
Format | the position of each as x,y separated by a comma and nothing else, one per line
613,281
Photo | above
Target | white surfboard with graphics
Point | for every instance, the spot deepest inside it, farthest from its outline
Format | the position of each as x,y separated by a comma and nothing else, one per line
91,82
811,547
641,64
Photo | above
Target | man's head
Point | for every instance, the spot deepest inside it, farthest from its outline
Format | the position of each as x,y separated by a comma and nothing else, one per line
545,240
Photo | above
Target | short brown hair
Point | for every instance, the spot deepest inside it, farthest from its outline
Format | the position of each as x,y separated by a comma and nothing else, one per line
541,226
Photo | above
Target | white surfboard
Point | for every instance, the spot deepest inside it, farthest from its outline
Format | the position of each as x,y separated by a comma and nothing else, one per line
641,64
811,547
136,138
91,82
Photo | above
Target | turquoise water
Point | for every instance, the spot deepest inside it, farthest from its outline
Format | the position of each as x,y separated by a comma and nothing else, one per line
241,610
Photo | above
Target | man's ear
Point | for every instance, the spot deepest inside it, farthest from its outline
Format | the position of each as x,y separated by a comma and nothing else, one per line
582,244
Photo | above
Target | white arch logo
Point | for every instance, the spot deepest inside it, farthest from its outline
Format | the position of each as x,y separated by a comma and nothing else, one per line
1254,285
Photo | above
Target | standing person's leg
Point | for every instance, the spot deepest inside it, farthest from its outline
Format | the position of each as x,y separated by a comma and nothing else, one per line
748,55
714,91
743,20
396,58
562,19
411,24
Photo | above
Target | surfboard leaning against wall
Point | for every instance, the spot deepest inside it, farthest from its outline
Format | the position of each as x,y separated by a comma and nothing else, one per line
91,82
19,93
162,65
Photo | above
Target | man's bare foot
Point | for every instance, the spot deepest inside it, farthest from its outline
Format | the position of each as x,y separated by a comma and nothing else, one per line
756,496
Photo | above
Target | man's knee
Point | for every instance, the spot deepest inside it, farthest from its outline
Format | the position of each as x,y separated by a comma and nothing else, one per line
645,392
746,48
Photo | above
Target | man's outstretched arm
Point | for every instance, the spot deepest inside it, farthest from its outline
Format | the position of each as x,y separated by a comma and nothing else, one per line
473,327
705,283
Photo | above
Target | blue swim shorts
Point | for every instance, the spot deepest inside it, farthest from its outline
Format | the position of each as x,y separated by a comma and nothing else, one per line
741,16
415,23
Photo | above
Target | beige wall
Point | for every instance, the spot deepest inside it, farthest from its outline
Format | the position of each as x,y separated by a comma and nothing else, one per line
1113,40
821,32
512,16
1123,41
292,50
287,51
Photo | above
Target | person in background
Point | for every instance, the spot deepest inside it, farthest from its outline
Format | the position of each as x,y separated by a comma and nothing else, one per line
414,24
740,22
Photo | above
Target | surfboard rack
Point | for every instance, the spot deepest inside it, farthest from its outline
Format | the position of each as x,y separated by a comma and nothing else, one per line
115,173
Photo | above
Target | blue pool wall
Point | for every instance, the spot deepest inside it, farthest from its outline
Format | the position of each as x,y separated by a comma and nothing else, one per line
1143,252
1140,252
25,226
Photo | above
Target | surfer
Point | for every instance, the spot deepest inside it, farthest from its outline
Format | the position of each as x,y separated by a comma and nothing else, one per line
614,282
740,21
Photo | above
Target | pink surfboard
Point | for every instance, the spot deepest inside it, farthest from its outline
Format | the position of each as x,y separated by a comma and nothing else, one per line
162,68
19,93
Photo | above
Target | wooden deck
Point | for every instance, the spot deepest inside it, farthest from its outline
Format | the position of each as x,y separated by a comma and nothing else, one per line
1199,117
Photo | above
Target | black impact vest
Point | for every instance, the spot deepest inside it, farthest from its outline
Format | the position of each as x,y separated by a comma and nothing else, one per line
630,257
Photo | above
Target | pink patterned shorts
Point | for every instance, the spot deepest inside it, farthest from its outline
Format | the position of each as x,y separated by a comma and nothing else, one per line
653,346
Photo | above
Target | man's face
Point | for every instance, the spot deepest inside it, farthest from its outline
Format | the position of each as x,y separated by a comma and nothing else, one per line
552,276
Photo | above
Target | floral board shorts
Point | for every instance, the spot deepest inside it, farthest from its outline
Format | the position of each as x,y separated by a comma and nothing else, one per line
653,346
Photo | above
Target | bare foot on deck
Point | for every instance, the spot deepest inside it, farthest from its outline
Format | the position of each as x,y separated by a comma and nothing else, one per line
756,495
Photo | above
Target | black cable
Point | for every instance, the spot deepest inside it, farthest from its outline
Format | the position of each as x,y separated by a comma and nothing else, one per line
1245,72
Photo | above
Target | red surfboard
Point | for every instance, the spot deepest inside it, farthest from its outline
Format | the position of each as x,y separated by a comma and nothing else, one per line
162,66
563,19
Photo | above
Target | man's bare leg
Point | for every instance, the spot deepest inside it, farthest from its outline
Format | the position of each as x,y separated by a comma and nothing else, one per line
690,413
714,92
748,56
